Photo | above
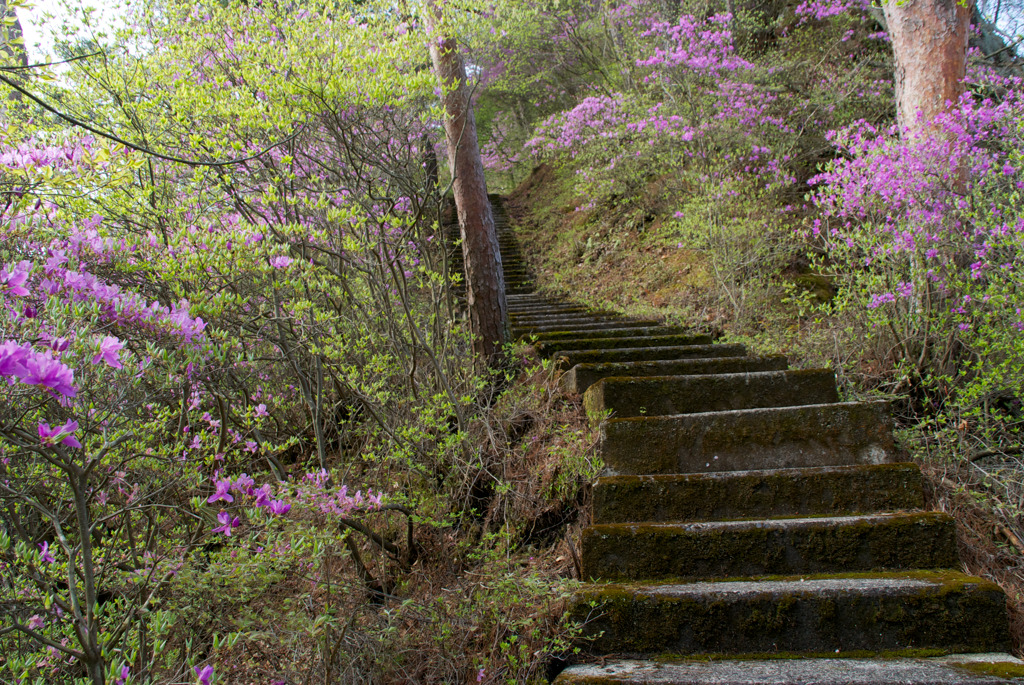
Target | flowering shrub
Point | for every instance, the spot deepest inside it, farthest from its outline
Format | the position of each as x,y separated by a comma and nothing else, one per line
925,230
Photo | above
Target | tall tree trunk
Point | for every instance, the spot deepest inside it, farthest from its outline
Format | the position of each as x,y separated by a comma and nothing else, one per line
485,280
929,39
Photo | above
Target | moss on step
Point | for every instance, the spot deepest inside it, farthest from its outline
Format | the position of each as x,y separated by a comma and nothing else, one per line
694,551
667,395
947,610
761,494
786,437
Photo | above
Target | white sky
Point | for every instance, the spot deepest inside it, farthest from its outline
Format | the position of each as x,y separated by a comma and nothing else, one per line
37,27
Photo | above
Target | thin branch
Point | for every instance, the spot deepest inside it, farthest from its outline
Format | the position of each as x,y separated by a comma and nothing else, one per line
50,64
153,153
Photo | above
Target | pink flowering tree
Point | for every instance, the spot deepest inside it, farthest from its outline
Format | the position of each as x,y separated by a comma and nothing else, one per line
202,359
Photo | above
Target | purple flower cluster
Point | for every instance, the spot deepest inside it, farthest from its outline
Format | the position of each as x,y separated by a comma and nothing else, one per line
19,362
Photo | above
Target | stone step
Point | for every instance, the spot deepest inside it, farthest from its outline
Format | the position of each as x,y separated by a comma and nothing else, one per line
570,358
558,324
750,439
555,318
824,491
624,337
594,327
955,669
551,343
670,395
545,309
785,546
516,302
582,376
818,615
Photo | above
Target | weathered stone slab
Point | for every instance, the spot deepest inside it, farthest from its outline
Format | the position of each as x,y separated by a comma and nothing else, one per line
971,669
550,343
545,311
862,613
582,376
782,546
750,439
568,358
825,491
668,395
628,331
583,326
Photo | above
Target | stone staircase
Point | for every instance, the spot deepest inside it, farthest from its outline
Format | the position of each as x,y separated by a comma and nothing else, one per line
750,528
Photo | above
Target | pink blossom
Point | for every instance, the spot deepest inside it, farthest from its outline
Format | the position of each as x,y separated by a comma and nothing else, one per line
222,492
280,508
13,277
109,352
42,369
63,434
203,675
227,523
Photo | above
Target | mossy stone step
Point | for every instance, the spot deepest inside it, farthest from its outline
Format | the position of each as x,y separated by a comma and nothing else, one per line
630,336
560,322
823,491
750,439
669,395
579,327
548,318
569,358
957,669
729,549
869,613
528,309
551,342
582,376
545,309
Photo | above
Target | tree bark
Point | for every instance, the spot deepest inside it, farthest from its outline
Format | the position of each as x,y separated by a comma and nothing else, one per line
929,39
485,280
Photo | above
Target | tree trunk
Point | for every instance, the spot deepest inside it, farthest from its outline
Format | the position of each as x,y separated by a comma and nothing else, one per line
929,39
485,281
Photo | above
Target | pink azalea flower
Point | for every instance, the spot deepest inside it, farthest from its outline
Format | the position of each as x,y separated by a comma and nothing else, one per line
244,484
12,359
44,370
261,410
110,348
280,508
35,622
203,675
13,277
44,553
262,495
280,261
222,492
227,523
65,434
